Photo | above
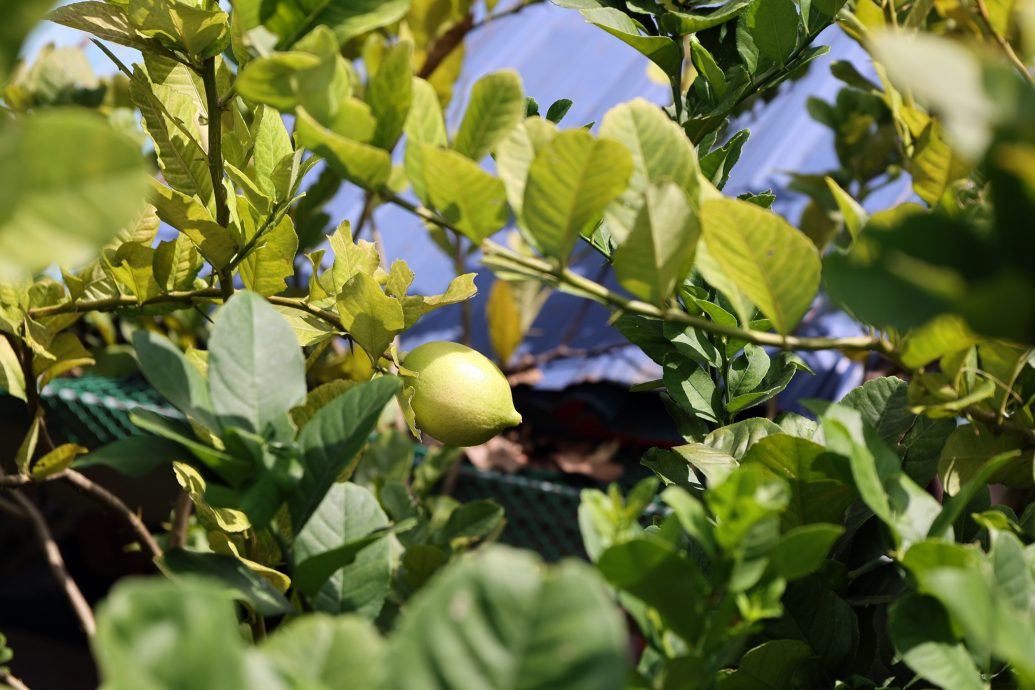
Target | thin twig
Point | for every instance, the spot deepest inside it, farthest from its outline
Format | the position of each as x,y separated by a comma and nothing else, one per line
115,504
57,564
509,12
13,681
1011,54
542,269
181,520
563,351
215,162
460,268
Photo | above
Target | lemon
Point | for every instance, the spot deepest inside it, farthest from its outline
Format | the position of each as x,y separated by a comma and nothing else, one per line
460,397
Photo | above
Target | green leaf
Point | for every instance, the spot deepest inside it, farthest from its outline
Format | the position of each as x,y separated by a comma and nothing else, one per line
424,125
133,456
802,550
716,165
460,289
133,267
331,440
230,468
351,258
883,404
983,612
194,220
904,507
474,520
176,264
55,165
181,158
370,317
327,652
520,624
966,452
514,156
852,213
496,106
390,94
281,80
659,251
819,492
256,590
692,388
782,370
194,30
683,23
769,666
292,19
266,268
157,633
954,506
773,25
104,20
708,69
424,122
654,572
12,379
660,153
270,144
922,635
775,266
469,198
936,338
362,164
570,182
661,50
748,371
342,556
178,381
256,369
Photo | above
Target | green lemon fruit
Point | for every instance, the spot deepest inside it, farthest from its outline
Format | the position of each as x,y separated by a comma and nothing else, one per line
460,397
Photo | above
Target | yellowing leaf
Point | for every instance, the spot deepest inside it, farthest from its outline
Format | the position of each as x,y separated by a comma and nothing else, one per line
57,460
221,543
504,317
775,266
225,519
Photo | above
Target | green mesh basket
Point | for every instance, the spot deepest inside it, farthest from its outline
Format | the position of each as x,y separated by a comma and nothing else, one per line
541,506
